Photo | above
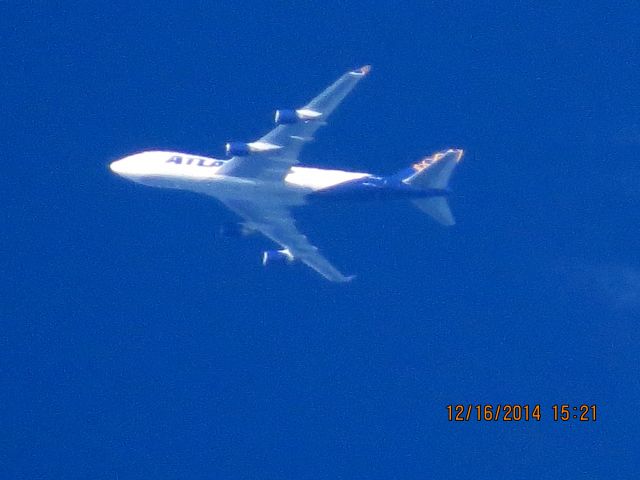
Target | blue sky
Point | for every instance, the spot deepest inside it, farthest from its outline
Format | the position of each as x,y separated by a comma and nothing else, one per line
137,344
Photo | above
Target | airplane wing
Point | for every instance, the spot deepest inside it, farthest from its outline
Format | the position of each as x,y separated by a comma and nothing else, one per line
275,222
278,150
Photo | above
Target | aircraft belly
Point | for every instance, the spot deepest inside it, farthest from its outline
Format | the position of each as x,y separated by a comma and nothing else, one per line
313,179
229,188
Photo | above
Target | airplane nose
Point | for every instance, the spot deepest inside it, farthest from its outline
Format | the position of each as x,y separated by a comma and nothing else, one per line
117,167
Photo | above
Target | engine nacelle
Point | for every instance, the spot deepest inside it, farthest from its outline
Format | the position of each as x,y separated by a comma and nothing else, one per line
234,230
237,149
286,117
277,256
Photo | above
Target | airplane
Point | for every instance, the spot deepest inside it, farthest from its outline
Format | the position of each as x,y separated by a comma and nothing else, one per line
261,182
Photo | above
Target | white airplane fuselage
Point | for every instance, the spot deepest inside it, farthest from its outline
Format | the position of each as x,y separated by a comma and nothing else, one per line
183,171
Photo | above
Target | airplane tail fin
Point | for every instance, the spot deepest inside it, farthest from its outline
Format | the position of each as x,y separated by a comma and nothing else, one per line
434,172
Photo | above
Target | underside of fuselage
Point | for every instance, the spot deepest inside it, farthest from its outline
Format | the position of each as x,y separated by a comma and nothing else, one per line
301,185
374,188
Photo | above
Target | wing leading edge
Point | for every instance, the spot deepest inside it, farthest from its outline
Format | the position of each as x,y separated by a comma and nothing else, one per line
289,139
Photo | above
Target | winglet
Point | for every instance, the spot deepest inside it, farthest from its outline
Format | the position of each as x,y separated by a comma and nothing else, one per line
362,71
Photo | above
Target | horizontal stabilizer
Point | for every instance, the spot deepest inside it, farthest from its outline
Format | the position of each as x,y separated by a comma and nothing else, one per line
437,208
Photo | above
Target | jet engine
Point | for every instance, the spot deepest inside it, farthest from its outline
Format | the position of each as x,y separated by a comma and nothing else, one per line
286,117
237,149
277,256
234,230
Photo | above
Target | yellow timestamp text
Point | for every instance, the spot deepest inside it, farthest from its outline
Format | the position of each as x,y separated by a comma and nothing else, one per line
513,412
